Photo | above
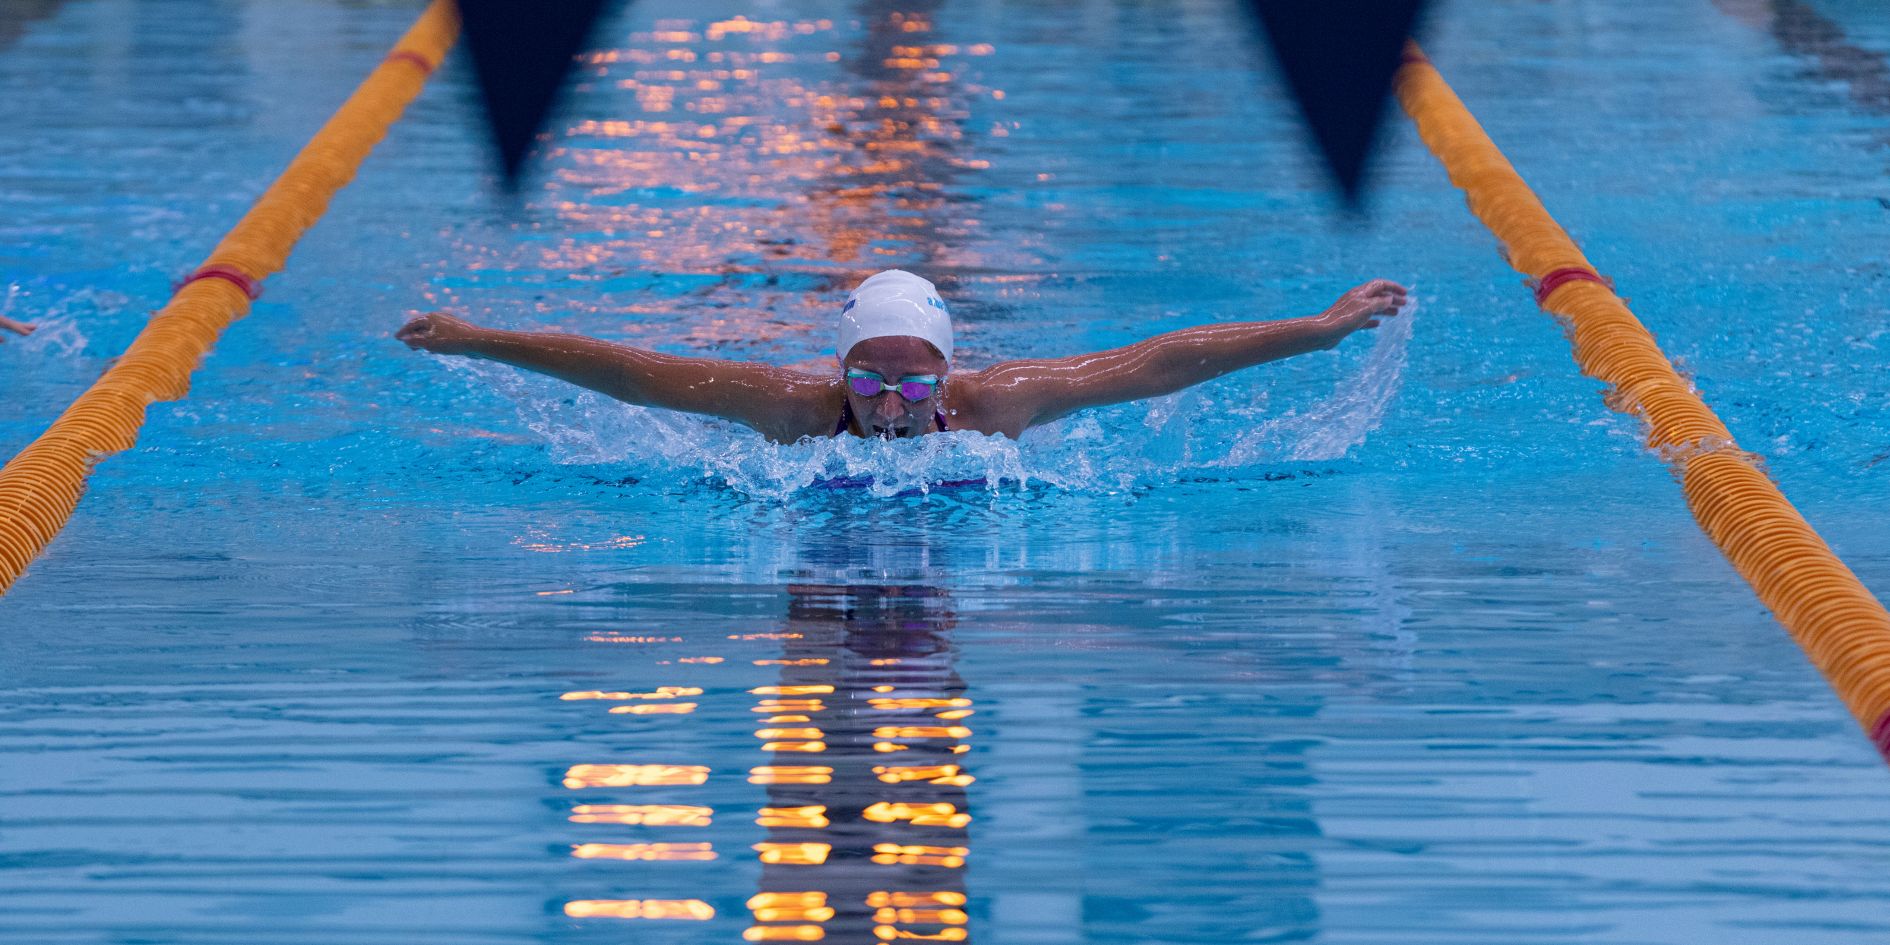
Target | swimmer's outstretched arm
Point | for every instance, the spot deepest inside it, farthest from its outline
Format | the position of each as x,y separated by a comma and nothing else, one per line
775,401
18,328
1022,394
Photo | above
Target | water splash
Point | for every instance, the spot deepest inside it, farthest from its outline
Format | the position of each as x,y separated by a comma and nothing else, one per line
56,331
1336,425
1127,446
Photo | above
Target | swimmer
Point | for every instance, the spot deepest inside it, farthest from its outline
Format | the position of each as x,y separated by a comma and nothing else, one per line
895,378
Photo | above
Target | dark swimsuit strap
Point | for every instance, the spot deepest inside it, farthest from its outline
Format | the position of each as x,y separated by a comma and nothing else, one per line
846,419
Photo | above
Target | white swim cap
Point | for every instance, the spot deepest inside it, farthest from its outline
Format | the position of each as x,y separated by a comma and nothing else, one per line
895,303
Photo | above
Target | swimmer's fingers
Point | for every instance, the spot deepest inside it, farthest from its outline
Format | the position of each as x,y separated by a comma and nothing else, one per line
415,334
439,333
1379,294
424,331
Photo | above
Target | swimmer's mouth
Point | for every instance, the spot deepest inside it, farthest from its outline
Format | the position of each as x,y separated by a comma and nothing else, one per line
888,433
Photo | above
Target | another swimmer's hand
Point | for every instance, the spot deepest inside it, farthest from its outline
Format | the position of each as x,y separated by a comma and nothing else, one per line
18,328
441,333
1362,307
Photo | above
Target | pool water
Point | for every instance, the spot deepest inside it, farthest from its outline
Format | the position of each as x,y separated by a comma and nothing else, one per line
1409,642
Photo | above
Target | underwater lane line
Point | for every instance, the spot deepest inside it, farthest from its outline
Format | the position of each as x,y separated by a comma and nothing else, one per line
1832,616
40,487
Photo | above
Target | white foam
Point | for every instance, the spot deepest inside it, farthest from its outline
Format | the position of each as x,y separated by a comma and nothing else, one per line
56,330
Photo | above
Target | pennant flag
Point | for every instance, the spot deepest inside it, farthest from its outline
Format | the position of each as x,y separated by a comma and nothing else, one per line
1339,58
522,51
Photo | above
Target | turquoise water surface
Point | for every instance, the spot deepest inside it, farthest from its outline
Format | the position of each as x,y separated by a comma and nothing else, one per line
1412,642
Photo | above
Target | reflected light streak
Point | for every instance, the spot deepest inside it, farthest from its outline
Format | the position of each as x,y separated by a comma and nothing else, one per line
936,774
921,916
786,933
589,776
922,731
888,704
813,816
906,900
790,774
655,708
818,690
660,692
795,733
643,851
810,661
648,815
895,854
786,901
545,547
805,747
789,705
887,933
693,909
794,854
920,815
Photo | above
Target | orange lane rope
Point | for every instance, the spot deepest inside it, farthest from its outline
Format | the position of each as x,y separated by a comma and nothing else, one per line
1844,629
40,487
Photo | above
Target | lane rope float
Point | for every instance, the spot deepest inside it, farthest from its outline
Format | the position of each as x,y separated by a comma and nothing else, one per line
40,487
1833,617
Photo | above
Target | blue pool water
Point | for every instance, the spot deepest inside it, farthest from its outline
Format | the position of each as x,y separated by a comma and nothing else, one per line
1412,642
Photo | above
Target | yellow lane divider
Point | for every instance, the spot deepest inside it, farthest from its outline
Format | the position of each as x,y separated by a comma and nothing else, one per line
40,487
1827,610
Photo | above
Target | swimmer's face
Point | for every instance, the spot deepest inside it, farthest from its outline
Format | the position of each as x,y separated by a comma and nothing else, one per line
889,414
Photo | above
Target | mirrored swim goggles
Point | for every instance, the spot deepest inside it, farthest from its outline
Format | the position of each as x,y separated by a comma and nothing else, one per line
913,388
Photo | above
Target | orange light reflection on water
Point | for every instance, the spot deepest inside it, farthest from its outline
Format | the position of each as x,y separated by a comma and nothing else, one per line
692,909
810,690
790,774
660,692
648,815
824,171
786,933
643,851
592,776
794,854
812,816
655,708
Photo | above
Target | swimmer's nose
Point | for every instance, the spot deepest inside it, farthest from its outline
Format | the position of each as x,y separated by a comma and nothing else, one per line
890,417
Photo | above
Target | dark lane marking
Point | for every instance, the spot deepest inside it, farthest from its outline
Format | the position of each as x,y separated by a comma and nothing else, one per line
17,15
1803,31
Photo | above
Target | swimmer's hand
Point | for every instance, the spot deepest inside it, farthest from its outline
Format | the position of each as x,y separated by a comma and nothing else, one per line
440,333
18,328
1362,307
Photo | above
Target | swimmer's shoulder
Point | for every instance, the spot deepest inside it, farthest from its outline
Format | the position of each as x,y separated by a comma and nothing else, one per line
976,400
792,404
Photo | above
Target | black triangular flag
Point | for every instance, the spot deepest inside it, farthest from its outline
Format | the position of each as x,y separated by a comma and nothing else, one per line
521,51
1339,58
